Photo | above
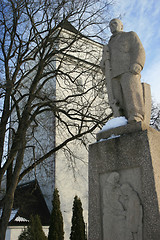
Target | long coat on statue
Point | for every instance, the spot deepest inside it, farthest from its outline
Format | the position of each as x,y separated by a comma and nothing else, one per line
125,49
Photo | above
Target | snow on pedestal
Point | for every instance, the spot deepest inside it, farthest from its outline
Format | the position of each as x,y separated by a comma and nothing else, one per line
113,123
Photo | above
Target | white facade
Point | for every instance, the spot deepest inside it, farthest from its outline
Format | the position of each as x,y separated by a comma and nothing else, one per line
72,161
40,138
13,232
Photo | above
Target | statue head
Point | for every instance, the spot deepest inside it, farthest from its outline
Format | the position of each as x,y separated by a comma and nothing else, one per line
116,26
113,178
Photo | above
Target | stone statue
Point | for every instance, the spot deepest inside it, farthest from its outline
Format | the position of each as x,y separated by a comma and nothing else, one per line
122,62
122,210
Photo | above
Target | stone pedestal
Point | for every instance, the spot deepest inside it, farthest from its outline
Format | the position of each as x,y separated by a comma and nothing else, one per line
131,161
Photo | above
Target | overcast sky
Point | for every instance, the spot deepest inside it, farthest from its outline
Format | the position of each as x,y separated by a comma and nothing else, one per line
143,17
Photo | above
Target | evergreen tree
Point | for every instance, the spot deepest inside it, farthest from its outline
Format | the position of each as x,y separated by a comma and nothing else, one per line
34,230
25,235
56,222
78,225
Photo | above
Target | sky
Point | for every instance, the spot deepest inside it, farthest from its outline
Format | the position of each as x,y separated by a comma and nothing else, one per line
143,17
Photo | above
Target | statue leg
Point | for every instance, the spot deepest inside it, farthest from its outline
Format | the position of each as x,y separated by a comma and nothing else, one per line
118,97
133,97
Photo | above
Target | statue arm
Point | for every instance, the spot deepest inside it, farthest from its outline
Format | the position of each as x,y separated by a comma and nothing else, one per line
135,68
137,54
106,69
105,57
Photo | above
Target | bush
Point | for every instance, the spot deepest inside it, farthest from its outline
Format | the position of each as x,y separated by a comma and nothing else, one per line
78,225
56,221
34,230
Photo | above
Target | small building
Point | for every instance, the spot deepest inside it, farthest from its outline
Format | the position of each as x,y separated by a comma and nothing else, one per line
29,200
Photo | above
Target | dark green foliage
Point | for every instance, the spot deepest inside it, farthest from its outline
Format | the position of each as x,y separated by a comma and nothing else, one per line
56,222
34,230
78,225
25,235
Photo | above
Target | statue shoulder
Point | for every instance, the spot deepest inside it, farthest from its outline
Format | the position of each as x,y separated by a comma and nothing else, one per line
133,34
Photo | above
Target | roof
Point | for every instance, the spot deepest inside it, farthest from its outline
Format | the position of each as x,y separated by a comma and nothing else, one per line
68,26
29,201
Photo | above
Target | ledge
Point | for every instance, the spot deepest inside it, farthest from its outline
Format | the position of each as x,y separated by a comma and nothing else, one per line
129,128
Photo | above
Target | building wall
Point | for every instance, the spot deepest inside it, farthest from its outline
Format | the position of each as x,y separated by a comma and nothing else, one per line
13,232
40,136
82,64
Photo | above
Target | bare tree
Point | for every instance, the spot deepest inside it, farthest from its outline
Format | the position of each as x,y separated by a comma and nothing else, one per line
155,116
35,55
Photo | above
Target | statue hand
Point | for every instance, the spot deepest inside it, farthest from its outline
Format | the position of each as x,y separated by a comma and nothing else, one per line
135,68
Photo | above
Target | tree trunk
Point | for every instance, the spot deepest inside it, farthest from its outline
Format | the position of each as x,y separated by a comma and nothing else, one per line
9,198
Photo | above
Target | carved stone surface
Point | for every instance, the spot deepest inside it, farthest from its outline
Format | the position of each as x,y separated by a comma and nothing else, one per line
133,208
121,208
135,157
112,210
122,61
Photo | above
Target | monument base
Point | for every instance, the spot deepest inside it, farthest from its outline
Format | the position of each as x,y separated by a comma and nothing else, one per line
124,187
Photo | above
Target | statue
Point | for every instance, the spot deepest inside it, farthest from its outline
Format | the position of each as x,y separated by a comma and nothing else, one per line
122,62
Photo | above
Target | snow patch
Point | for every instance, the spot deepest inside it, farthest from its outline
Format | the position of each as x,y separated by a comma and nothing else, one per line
113,123
20,219
111,137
